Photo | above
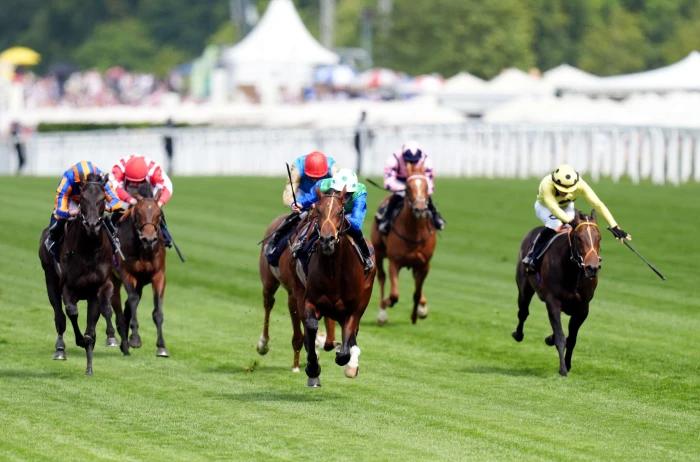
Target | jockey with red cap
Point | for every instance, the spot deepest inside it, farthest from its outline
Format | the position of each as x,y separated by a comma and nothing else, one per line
305,172
128,174
395,174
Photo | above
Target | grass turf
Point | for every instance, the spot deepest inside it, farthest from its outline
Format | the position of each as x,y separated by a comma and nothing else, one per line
454,387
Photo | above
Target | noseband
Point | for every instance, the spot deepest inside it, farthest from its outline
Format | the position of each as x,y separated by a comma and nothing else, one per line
417,177
336,232
576,256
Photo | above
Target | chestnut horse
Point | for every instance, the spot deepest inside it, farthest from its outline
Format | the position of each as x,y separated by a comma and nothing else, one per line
410,243
142,244
566,282
284,274
85,269
336,285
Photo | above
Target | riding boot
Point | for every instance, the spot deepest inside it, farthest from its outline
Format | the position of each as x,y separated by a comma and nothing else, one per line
55,237
385,217
282,230
534,256
167,238
438,221
356,235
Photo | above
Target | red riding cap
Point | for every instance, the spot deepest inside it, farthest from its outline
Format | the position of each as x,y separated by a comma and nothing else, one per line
136,169
316,165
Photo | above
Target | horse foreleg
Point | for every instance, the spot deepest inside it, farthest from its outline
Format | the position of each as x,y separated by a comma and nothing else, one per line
270,285
59,317
329,343
122,322
419,275
349,354
382,317
313,369
524,297
575,323
158,283
71,303
106,312
132,302
554,312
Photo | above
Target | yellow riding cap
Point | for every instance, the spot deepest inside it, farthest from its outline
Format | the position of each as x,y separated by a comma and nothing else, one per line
565,178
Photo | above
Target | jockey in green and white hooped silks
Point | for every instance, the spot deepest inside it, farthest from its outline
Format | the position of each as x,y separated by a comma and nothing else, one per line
555,208
355,206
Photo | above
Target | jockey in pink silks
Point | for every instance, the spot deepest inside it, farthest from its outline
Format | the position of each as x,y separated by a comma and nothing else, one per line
395,181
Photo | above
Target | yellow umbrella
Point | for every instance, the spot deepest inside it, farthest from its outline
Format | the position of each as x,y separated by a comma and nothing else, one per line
20,56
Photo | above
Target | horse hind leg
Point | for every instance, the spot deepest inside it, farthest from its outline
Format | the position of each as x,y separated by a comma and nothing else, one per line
59,317
111,340
71,304
297,334
329,344
524,297
382,316
93,315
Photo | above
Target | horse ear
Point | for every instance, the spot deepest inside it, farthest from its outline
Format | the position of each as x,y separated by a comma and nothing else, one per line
125,215
104,178
343,192
409,168
593,215
138,196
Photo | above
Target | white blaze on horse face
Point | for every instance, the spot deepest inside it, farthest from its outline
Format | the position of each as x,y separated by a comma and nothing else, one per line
328,218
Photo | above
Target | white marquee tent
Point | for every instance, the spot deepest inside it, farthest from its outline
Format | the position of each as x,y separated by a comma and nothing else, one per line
278,52
683,75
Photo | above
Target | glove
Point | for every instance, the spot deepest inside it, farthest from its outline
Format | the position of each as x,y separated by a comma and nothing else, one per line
295,207
619,233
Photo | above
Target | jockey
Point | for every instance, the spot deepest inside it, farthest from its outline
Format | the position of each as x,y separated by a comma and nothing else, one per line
305,172
395,181
355,208
66,204
131,172
555,208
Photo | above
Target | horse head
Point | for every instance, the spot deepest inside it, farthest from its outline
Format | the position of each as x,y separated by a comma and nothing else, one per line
92,203
585,242
330,213
147,218
417,195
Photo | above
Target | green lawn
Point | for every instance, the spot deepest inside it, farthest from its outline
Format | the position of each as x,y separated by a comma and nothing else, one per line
454,387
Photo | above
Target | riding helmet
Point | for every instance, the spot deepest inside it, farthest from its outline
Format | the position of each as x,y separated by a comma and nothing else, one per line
316,165
565,178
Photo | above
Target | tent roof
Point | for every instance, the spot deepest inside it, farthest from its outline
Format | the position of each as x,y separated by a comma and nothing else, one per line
566,75
463,82
513,80
679,76
280,36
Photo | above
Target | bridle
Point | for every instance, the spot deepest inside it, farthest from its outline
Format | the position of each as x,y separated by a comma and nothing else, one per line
576,256
84,220
140,227
421,196
337,232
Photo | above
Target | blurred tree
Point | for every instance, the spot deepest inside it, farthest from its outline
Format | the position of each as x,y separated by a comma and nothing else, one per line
454,35
614,43
685,37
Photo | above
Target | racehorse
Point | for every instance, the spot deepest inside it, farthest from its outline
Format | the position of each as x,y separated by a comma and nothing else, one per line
566,282
85,268
142,245
410,243
336,285
284,274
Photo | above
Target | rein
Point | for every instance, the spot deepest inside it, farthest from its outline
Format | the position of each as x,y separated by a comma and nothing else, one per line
421,177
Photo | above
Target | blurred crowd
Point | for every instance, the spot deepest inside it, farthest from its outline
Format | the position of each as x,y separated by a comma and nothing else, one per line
92,88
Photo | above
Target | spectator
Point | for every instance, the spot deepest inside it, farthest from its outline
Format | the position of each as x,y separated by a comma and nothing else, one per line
18,143
363,138
168,144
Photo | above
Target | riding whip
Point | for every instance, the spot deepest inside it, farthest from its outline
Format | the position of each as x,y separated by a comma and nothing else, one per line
113,240
291,184
177,249
629,246
375,184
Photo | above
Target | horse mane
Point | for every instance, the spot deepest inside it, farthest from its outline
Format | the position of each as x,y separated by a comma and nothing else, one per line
94,178
145,190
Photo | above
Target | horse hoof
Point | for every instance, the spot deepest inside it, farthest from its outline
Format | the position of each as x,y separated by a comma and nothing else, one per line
518,336
331,346
313,382
111,342
563,372
382,317
296,370
59,355
88,371
320,340
342,359
422,311
162,352
263,347
549,340
124,347
135,342
80,341
393,300
351,372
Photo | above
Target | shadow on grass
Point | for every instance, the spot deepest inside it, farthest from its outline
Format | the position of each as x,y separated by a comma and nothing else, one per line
304,394
509,371
253,369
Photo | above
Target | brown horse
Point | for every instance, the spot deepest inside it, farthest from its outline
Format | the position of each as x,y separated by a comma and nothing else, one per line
410,243
337,286
142,244
85,269
285,274
566,282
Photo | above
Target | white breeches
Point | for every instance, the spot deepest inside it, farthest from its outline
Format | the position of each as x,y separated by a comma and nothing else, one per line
549,220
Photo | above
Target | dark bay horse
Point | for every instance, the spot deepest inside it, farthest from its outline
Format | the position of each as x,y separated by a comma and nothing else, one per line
566,282
410,243
336,286
142,244
285,274
85,269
